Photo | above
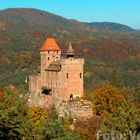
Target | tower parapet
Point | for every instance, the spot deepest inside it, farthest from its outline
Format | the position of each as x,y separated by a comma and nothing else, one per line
72,61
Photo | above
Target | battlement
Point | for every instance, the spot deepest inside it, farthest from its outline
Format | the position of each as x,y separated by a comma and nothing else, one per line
72,61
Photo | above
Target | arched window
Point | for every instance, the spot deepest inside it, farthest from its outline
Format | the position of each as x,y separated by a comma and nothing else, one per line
71,96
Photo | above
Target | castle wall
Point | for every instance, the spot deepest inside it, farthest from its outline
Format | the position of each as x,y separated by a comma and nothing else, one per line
35,83
36,98
72,78
63,79
63,84
76,109
53,82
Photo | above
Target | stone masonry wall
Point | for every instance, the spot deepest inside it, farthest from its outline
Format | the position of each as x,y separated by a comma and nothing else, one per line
72,78
77,108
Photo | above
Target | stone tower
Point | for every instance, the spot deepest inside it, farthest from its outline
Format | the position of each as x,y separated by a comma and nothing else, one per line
60,79
49,53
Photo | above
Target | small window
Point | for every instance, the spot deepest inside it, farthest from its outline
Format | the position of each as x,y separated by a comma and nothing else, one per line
48,58
48,51
67,75
80,75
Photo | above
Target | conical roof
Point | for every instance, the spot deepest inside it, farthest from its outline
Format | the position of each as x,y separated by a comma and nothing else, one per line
70,49
50,44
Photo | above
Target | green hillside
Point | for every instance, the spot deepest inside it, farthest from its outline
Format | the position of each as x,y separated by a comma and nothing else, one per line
23,31
114,27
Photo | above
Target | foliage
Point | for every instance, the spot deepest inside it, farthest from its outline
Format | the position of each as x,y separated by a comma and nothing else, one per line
107,99
49,126
37,116
68,120
18,122
89,127
53,129
116,79
115,27
126,119
13,116
137,94
1,94
52,112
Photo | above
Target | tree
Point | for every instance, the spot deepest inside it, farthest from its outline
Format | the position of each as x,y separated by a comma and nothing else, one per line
53,129
37,115
124,121
13,117
116,79
1,94
107,99
17,121
89,127
137,94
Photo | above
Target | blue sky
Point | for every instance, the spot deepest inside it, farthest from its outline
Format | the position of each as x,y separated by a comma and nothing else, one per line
121,11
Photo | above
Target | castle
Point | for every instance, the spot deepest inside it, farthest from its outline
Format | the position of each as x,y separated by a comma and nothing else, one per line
60,78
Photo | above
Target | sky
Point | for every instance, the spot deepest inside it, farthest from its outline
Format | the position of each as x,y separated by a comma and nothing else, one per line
121,11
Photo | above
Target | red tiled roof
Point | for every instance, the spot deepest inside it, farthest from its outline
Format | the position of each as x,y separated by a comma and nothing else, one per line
50,44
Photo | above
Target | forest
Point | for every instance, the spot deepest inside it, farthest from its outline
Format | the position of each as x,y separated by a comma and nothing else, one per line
111,77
